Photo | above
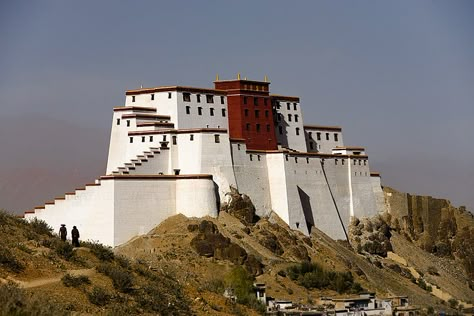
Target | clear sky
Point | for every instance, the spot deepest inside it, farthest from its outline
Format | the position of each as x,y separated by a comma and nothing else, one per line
397,76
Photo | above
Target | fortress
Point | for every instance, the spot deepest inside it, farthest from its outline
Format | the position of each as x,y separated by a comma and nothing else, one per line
176,149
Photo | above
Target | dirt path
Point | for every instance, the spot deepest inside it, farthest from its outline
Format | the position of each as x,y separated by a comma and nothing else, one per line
46,281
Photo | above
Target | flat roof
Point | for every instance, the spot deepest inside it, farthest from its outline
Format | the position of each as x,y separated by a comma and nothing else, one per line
285,97
179,131
322,127
175,88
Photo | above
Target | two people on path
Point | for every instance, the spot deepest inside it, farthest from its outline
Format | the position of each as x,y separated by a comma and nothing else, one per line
74,234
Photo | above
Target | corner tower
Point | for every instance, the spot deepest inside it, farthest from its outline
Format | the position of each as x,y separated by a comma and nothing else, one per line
250,112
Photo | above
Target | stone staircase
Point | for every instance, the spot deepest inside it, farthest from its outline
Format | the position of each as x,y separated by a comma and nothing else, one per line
135,165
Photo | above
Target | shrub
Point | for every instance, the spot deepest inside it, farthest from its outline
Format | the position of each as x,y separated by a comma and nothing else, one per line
9,261
311,275
121,279
40,227
103,253
14,301
63,249
123,262
98,296
453,303
214,285
75,281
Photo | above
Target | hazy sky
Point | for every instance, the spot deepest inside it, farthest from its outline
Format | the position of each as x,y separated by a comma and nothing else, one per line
397,76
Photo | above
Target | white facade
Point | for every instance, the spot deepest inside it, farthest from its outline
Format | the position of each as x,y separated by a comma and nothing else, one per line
170,153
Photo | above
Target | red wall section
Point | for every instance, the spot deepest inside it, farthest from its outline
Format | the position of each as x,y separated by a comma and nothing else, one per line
237,92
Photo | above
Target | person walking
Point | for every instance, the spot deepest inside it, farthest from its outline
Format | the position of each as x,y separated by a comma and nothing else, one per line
75,236
63,232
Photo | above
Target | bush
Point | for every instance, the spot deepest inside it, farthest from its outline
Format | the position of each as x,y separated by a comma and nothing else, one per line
311,275
453,303
9,261
75,281
123,262
14,301
121,279
40,227
63,249
214,285
98,296
103,253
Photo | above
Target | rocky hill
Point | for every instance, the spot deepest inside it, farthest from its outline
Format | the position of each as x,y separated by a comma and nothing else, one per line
184,265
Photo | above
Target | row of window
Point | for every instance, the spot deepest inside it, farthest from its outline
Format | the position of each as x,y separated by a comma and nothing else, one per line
280,130
288,106
209,98
152,96
257,113
257,127
211,111
256,101
174,139
280,117
318,136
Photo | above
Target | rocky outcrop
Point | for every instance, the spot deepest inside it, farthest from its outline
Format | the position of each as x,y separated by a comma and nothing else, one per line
434,225
370,235
209,242
240,206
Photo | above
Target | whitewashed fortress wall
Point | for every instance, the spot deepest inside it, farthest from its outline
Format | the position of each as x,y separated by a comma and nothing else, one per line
172,151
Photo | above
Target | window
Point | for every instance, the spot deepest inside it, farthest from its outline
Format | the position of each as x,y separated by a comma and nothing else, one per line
198,98
188,109
186,97
296,159
310,135
164,138
258,157
247,126
118,121
294,106
286,157
217,138
335,161
296,118
327,136
342,161
280,130
264,101
289,117
246,112
266,113
268,127
128,123
152,96
359,162
307,160
174,140
222,99
255,101
191,137
251,157
143,139
238,146
355,162
131,140
318,136
169,95
199,110
245,100
151,138
209,98
335,137
223,112
297,131
279,117
257,113
311,145
278,105
258,127
211,111
133,98
288,106
365,162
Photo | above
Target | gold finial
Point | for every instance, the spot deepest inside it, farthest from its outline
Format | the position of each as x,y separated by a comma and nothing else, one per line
238,76
266,78
217,77
245,78
141,86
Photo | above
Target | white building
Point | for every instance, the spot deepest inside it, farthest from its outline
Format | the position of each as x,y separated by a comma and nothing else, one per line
176,149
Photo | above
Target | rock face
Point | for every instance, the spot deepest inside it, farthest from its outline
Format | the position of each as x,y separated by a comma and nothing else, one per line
209,242
434,225
370,235
240,206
